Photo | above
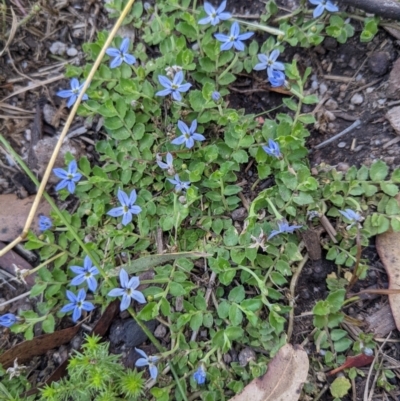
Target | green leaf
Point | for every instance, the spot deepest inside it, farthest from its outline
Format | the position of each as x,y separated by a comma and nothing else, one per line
310,99
342,345
48,324
340,387
227,79
196,321
321,308
235,315
335,300
389,189
237,294
38,289
232,190
149,311
378,171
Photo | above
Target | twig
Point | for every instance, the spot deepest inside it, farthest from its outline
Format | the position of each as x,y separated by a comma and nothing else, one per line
207,298
10,301
293,283
337,136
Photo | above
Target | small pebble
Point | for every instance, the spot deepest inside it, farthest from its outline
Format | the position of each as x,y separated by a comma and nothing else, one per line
378,63
357,99
72,52
49,113
160,331
341,144
246,355
58,48
331,104
323,89
358,148
342,167
239,214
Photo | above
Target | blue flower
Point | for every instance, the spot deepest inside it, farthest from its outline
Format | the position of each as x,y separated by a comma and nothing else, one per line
69,177
8,320
179,185
276,78
165,166
77,304
188,134
121,55
173,88
128,290
323,5
234,39
127,208
272,149
283,228
268,62
44,223
200,375
351,215
216,96
147,361
73,93
87,272
215,16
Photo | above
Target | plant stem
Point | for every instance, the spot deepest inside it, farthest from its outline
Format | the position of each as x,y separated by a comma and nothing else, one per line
230,66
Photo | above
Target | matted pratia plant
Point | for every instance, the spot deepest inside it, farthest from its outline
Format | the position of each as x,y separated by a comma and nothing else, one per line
172,156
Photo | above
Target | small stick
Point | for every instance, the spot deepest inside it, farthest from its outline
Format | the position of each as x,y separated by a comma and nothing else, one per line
337,136
293,283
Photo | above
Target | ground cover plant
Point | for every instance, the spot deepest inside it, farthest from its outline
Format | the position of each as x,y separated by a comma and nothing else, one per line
171,160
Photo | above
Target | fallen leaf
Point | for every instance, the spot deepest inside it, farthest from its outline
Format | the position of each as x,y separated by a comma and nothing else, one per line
356,361
14,213
387,245
26,350
284,379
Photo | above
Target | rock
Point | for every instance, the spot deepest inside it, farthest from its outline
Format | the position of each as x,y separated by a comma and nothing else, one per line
357,99
161,331
341,145
128,333
323,89
239,214
330,43
49,113
393,91
58,48
331,104
378,63
72,52
393,115
246,355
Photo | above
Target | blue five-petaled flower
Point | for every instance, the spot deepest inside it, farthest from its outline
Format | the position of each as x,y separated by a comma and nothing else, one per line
179,185
128,290
87,272
276,78
44,223
69,177
77,304
272,149
323,5
283,228
234,39
127,208
174,87
8,320
72,93
350,215
268,62
200,375
189,135
169,162
214,16
121,55
147,361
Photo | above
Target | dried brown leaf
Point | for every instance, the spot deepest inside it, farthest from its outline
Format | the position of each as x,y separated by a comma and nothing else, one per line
284,379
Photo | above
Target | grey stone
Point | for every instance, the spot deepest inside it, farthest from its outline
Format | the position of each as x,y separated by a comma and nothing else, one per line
128,333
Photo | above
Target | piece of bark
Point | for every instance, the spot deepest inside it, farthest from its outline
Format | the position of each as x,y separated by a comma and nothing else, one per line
382,8
381,323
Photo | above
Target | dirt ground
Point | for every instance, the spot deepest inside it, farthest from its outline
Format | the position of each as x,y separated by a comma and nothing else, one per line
350,79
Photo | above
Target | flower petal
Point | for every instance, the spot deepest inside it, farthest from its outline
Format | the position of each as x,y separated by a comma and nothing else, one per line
132,197
164,92
116,292
116,62
129,59
142,353
71,187
193,127
176,95
184,87
124,278
64,93
78,280
208,8
178,78
221,7
124,45
113,52
153,371
92,283
133,283
60,173
138,296
227,46
87,306
178,141
71,296
245,35
76,314
61,185
135,209
125,302
164,81
198,137
116,211
204,21
126,218
81,295
67,308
